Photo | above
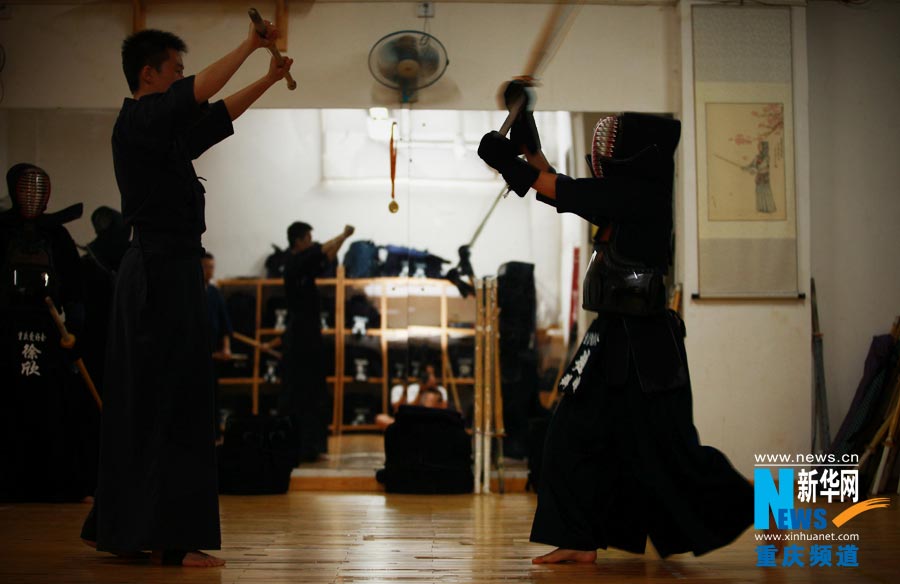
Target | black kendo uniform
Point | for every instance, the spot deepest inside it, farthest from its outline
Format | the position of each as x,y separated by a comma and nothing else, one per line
47,413
219,321
219,326
157,482
99,266
622,459
304,396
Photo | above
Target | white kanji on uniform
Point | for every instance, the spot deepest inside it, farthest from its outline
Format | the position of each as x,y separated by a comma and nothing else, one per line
582,361
30,368
30,352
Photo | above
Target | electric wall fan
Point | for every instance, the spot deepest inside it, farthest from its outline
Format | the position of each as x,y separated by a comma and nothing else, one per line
408,60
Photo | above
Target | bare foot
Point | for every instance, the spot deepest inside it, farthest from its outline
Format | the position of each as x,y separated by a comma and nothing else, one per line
560,555
195,559
123,555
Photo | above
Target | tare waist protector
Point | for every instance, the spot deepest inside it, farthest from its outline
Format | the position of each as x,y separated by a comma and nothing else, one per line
616,285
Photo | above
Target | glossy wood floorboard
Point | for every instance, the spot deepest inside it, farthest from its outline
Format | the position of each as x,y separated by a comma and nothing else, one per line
370,537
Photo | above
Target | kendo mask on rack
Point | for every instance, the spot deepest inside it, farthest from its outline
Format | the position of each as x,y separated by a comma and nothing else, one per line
29,189
632,143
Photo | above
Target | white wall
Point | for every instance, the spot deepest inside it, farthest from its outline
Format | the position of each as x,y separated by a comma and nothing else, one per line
855,149
5,202
269,175
750,362
67,55
73,146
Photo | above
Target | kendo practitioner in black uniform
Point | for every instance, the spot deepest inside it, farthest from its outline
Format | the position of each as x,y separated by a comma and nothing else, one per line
304,395
99,266
157,481
622,459
48,419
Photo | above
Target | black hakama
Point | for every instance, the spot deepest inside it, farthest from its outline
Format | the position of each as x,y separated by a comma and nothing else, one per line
622,458
157,486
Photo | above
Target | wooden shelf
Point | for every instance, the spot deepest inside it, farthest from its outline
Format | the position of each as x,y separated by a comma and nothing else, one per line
360,427
408,331
351,379
238,380
381,291
442,380
279,332
270,331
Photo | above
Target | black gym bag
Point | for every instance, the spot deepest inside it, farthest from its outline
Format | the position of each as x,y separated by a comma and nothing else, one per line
257,455
427,451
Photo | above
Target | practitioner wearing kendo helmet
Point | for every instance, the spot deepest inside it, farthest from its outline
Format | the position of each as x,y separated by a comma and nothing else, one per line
46,443
622,459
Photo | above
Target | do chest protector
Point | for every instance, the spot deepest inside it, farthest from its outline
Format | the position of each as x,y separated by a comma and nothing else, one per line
28,267
614,284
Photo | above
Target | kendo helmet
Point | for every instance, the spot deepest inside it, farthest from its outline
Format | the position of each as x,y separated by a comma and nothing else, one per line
29,189
632,143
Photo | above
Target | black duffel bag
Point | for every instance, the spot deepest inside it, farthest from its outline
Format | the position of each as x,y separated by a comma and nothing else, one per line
427,451
257,455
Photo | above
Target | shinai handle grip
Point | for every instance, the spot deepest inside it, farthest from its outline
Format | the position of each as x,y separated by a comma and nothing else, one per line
261,31
67,341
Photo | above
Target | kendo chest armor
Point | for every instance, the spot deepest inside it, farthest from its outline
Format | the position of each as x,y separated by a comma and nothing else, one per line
28,268
614,284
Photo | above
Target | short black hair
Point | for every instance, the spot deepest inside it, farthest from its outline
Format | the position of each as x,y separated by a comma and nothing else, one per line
297,230
147,47
105,218
207,256
433,390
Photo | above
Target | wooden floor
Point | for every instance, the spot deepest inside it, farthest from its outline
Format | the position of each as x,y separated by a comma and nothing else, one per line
370,537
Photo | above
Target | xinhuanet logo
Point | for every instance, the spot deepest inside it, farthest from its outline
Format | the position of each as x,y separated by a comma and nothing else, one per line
789,515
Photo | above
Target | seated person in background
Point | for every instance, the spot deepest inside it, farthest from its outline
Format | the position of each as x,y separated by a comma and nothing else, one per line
426,448
220,331
219,321
411,396
429,395
99,267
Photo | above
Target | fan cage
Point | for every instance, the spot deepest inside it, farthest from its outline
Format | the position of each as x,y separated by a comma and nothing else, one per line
408,90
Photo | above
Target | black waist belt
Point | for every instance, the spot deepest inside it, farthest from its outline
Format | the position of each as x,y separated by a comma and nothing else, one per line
166,243
614,285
